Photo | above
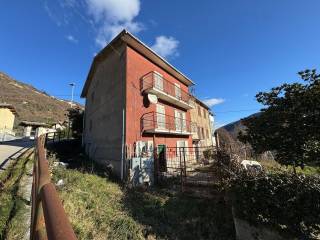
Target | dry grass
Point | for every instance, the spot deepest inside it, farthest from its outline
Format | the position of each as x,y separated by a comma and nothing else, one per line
12,205
100,208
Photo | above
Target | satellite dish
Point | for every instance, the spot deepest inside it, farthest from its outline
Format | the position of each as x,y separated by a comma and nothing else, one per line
152,98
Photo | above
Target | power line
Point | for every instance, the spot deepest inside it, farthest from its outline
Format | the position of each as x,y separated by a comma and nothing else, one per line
241,110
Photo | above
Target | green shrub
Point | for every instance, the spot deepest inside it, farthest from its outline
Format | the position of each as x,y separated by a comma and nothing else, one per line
286,202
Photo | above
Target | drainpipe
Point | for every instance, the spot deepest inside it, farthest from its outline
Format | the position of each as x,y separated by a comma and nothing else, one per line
122,145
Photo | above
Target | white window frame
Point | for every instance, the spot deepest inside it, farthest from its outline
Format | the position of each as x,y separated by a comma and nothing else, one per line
161,117
158,80
177,91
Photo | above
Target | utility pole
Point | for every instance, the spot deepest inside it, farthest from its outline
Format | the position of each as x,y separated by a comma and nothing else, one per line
71,105
72,91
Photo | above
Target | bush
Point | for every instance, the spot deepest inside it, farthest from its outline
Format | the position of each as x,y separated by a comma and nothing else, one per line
288,203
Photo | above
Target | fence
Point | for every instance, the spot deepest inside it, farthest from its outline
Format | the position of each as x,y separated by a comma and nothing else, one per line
188,165
56,136
48,218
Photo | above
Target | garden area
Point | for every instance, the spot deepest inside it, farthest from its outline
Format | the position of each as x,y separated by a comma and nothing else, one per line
99,207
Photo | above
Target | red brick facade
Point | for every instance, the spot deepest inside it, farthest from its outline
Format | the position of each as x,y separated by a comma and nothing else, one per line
136,67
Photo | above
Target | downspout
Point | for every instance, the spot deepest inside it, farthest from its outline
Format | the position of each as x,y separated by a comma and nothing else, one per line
122,145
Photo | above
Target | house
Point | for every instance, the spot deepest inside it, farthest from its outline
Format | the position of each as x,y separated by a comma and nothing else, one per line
7,117
135,102
202,118
34,129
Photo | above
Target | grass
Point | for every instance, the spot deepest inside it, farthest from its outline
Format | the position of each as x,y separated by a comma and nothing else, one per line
12,205
100,208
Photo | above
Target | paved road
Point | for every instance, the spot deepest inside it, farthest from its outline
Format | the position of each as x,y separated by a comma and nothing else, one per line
12,149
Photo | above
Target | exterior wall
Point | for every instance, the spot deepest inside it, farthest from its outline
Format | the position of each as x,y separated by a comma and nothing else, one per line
203,121
6,119
105,102
138,66
27,131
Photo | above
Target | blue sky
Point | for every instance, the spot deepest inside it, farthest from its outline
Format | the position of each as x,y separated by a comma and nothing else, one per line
231,49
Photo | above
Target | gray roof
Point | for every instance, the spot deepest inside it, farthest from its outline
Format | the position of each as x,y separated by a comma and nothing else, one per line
29,123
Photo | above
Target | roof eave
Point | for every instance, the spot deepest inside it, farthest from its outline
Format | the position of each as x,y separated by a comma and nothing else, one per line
134,42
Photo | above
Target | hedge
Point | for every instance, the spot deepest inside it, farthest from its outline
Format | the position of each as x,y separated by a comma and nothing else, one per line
286,202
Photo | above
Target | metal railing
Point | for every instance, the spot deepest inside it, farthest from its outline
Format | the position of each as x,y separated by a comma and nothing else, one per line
156,81
57,136
163,122
48,218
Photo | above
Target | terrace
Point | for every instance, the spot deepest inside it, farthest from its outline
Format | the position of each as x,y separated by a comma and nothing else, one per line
154,83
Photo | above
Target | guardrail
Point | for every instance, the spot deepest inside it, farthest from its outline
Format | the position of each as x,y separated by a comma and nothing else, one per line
48,218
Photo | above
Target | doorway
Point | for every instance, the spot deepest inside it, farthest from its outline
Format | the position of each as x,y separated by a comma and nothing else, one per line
162,158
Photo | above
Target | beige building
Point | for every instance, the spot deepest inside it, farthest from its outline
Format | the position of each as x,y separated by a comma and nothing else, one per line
201,117
34,129
7,117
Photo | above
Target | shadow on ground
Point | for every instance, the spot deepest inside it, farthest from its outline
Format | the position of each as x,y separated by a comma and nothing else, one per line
163,213
178,216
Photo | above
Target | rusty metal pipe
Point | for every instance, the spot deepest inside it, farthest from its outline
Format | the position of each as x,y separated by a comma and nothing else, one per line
57,224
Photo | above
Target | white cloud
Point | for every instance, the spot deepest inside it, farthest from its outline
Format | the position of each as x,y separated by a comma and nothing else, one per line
213,101
166,46
112,16
72,39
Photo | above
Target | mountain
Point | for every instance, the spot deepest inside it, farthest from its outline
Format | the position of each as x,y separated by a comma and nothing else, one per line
228,134
32,104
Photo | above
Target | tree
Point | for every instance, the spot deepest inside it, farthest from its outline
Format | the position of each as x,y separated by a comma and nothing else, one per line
75,116
289,125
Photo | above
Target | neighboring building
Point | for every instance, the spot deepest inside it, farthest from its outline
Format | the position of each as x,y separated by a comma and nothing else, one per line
7,117
135,101
59,126
202,126
34,129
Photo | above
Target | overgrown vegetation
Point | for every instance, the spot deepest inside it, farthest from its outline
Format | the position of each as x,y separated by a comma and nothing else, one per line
286,202
100,208
75,116
12,205
289,125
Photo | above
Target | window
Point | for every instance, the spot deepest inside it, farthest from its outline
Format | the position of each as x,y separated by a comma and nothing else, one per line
199,111
177,91
180,120
158,80
182,147
207,133
161,117
204,113
202,132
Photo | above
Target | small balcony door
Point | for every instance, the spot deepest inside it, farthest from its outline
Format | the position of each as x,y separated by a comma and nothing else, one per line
158,81
161,117
180,121
177,91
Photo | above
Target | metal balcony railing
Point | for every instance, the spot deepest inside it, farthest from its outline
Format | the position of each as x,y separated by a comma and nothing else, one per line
159,122
154,80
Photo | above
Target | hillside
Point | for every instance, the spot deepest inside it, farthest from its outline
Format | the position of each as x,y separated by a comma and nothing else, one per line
228,138
228,134
30,103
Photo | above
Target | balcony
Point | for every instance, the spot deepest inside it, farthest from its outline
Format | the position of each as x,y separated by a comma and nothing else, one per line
155,84
155,122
